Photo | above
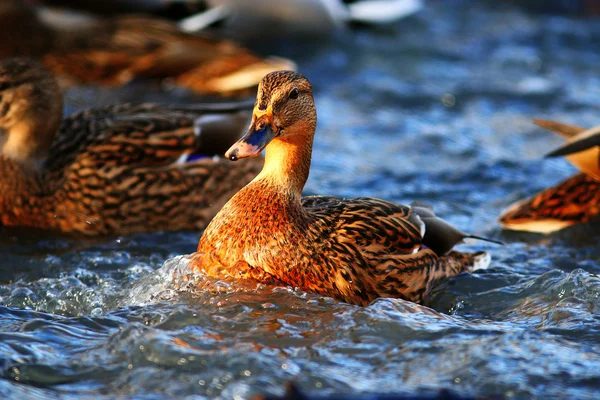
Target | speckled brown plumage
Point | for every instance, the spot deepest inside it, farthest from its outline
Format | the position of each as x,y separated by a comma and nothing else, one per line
115,170
114,51
573,201
576,200
354,250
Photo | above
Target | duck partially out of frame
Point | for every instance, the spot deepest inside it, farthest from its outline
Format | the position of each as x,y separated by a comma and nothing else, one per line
573,201
116,170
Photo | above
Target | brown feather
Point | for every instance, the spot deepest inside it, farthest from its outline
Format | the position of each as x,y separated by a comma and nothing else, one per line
354,250
117,170
116,50
573,201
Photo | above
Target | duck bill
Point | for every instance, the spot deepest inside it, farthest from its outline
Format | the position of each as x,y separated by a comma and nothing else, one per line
251,144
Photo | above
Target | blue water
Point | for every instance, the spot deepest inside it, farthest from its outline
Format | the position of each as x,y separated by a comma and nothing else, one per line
437,108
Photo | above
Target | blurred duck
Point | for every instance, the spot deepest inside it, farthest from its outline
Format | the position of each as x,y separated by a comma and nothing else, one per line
116,170
354,250
116,50
300,18
573,201
244,19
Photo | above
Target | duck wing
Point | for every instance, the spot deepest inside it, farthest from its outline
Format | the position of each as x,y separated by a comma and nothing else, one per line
146,135
573,201
117,50
114,51
376,226
383,227
368,248
125,169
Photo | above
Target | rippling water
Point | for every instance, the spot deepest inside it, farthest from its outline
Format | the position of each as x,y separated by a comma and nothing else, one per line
437,108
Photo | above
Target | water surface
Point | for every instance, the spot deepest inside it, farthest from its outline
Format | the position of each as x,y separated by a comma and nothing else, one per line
437,108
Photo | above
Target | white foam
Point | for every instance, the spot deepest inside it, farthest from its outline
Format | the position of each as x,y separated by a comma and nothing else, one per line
160,285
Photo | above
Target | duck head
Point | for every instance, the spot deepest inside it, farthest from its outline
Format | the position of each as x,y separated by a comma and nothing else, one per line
31,106
284,112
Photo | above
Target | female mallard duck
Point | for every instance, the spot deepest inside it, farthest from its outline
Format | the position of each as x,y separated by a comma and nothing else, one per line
573,201
116,50
354,250
115,170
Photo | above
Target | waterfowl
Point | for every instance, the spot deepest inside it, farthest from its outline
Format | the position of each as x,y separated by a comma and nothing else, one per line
114,51
354,250
114,170
300,18
264,19
573,201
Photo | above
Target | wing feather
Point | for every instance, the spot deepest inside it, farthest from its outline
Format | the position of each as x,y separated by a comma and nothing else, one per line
574,201
143,135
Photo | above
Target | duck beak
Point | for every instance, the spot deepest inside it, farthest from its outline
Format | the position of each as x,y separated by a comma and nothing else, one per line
252,143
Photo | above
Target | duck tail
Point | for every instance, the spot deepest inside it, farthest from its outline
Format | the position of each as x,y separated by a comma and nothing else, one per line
382,11
581,147
485,239
573,201
560,128
441,236
576,146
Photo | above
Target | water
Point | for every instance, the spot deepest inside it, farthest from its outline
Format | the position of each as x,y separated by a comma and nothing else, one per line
438,109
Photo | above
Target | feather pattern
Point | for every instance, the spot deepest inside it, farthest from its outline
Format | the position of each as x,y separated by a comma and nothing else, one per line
573,201
354,250
116,50
115,170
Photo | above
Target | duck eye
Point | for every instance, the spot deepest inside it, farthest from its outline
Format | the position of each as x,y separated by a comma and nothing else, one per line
294,93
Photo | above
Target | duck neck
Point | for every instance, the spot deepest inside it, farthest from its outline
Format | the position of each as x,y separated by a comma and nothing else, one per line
28,142
287,162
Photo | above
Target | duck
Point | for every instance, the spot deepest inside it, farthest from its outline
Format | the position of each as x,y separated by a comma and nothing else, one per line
114,51
116,170
296,18
274,18
573,201
354,250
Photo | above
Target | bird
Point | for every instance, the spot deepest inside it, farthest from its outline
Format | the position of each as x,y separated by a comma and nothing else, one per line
574,201
115,170
303,19
354,250
114,51
265,19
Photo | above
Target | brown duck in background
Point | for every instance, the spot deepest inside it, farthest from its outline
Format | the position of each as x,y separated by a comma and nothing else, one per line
354,250
115,170
573,201
116,50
